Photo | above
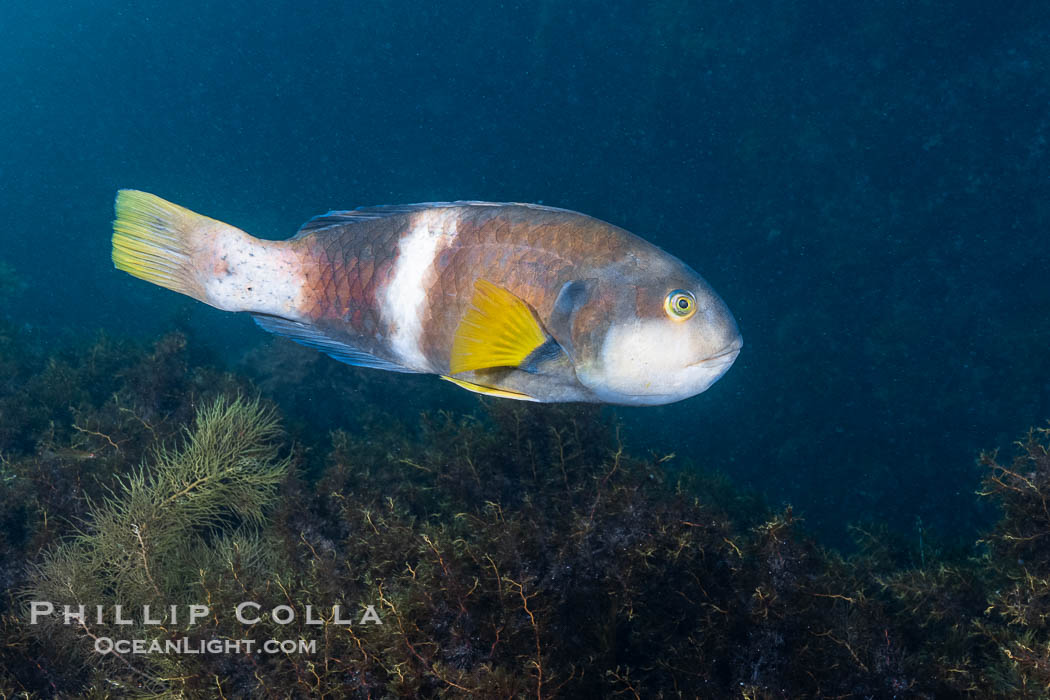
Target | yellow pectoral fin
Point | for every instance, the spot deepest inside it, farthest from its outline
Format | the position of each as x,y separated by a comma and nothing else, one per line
488,390
498,330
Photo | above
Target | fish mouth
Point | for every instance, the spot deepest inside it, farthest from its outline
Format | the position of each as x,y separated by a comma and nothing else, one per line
712,367
726,356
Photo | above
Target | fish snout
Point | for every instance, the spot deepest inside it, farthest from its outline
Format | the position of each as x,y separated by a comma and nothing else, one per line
717,336
725,356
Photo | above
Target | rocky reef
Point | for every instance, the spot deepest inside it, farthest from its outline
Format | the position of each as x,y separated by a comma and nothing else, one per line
506,551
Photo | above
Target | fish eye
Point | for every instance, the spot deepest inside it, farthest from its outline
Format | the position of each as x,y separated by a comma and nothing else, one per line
680,305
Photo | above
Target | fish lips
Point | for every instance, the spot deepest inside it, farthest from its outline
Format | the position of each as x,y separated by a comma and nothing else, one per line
725,357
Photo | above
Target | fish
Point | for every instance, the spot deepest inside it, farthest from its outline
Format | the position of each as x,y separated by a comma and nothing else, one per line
518,301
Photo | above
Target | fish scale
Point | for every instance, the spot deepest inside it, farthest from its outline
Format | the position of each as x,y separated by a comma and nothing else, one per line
346,274
512,300
480,251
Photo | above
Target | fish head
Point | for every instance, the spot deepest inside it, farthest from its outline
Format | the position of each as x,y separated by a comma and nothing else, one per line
649,330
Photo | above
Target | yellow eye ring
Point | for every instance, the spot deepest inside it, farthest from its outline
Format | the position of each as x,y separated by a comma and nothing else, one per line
680,305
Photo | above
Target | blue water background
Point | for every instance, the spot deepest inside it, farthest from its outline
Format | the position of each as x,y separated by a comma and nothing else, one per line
866,184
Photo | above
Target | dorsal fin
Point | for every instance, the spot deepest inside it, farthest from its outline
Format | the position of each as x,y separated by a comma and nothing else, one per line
353,216
350,217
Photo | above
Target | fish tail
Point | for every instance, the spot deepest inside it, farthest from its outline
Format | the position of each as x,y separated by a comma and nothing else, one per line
202,258
154,240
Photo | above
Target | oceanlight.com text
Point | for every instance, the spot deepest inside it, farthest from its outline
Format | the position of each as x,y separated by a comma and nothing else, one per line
185,645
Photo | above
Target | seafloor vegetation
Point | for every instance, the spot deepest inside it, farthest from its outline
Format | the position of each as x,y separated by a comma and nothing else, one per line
521,552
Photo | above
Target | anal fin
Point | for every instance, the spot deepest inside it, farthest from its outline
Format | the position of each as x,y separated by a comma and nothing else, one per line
313,337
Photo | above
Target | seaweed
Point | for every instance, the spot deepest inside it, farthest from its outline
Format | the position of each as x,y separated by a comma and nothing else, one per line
1017,619
980,623
513,550
154,534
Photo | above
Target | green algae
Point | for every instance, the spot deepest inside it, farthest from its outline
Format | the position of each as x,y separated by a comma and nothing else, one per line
517,551
151,537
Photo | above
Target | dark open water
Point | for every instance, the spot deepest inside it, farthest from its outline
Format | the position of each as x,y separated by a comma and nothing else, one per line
866,184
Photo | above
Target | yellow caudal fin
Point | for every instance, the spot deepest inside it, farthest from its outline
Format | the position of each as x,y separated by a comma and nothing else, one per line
154,240
498,330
